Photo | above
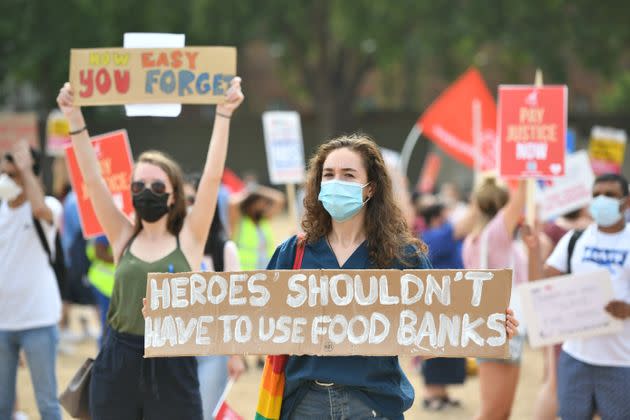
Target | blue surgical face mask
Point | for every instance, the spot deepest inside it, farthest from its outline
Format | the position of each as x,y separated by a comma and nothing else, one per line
342,199
605,210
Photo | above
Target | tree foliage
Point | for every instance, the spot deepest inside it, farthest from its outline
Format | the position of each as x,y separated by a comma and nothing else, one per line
328,46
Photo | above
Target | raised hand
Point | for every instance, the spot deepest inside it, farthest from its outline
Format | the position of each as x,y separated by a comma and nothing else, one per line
234,97
511,323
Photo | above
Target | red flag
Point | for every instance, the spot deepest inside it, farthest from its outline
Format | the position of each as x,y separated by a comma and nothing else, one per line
226,413
463,112
232,181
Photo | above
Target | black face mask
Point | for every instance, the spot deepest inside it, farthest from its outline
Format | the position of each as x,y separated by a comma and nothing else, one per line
150,206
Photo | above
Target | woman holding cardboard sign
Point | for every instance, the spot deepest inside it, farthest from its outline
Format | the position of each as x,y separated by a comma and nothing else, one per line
351,221
163,238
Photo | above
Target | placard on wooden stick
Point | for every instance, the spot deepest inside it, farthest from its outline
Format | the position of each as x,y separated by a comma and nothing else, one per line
116,76
446,313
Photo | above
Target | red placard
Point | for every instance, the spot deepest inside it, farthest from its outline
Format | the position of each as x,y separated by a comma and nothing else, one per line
532,126
429,174
114,155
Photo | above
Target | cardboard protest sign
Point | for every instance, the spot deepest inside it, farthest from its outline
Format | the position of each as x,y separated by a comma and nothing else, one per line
18,126
329,312
565,307
57,133
284,147
532,126
607,148
463,117
571,192
115,76
114,156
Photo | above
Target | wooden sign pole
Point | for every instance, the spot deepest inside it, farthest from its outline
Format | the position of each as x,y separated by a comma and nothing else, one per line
530,209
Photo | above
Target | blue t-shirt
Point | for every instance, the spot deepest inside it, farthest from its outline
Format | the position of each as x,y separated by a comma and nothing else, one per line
378,381
445,252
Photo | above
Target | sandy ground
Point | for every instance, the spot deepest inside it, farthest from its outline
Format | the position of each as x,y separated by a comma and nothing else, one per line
244,394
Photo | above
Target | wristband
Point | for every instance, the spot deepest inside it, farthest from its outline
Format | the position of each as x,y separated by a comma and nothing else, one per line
223,115
80,130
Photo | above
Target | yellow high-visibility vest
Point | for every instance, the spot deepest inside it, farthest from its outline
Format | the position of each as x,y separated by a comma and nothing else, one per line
101,273
248,242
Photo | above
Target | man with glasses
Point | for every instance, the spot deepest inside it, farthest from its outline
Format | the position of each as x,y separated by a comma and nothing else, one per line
30,303
594,373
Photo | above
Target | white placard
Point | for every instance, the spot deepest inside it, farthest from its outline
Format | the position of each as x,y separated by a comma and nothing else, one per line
570,306
153,40
570,192
391,157
284,147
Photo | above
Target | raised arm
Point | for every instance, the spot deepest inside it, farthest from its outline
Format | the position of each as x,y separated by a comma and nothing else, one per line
117,227
23,162
197,224
514,207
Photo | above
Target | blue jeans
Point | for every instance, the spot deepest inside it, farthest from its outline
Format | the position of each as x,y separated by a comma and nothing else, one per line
213,377
40,347
336,402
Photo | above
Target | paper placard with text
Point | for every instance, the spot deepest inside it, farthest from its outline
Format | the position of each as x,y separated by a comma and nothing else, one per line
532,125
607,149
114,156
566,307
116,76
445,313
571,192
284,146
18,126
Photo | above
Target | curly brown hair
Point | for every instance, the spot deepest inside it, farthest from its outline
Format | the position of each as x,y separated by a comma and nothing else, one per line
387,232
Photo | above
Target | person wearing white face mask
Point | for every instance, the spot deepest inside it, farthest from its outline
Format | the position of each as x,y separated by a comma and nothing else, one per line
594,373
30,302
351,222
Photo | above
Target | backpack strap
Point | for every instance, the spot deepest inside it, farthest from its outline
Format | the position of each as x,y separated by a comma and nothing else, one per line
574,238
43,240
299,252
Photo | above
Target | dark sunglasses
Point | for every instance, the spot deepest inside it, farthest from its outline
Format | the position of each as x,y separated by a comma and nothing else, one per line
156,187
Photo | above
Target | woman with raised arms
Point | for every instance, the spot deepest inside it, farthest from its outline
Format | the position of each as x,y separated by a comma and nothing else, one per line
163,238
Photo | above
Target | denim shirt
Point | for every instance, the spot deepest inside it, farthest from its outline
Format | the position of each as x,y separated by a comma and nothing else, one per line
378,381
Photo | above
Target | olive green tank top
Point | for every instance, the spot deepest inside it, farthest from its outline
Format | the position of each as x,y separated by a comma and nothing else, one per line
130,286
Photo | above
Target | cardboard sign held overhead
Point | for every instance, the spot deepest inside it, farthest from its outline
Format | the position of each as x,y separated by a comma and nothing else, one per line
116,76
568,193
284,147
114,156
18,126
607,149
532,126
329,312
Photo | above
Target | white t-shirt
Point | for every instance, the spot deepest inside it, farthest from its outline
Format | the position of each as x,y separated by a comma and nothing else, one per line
29,295
596,250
